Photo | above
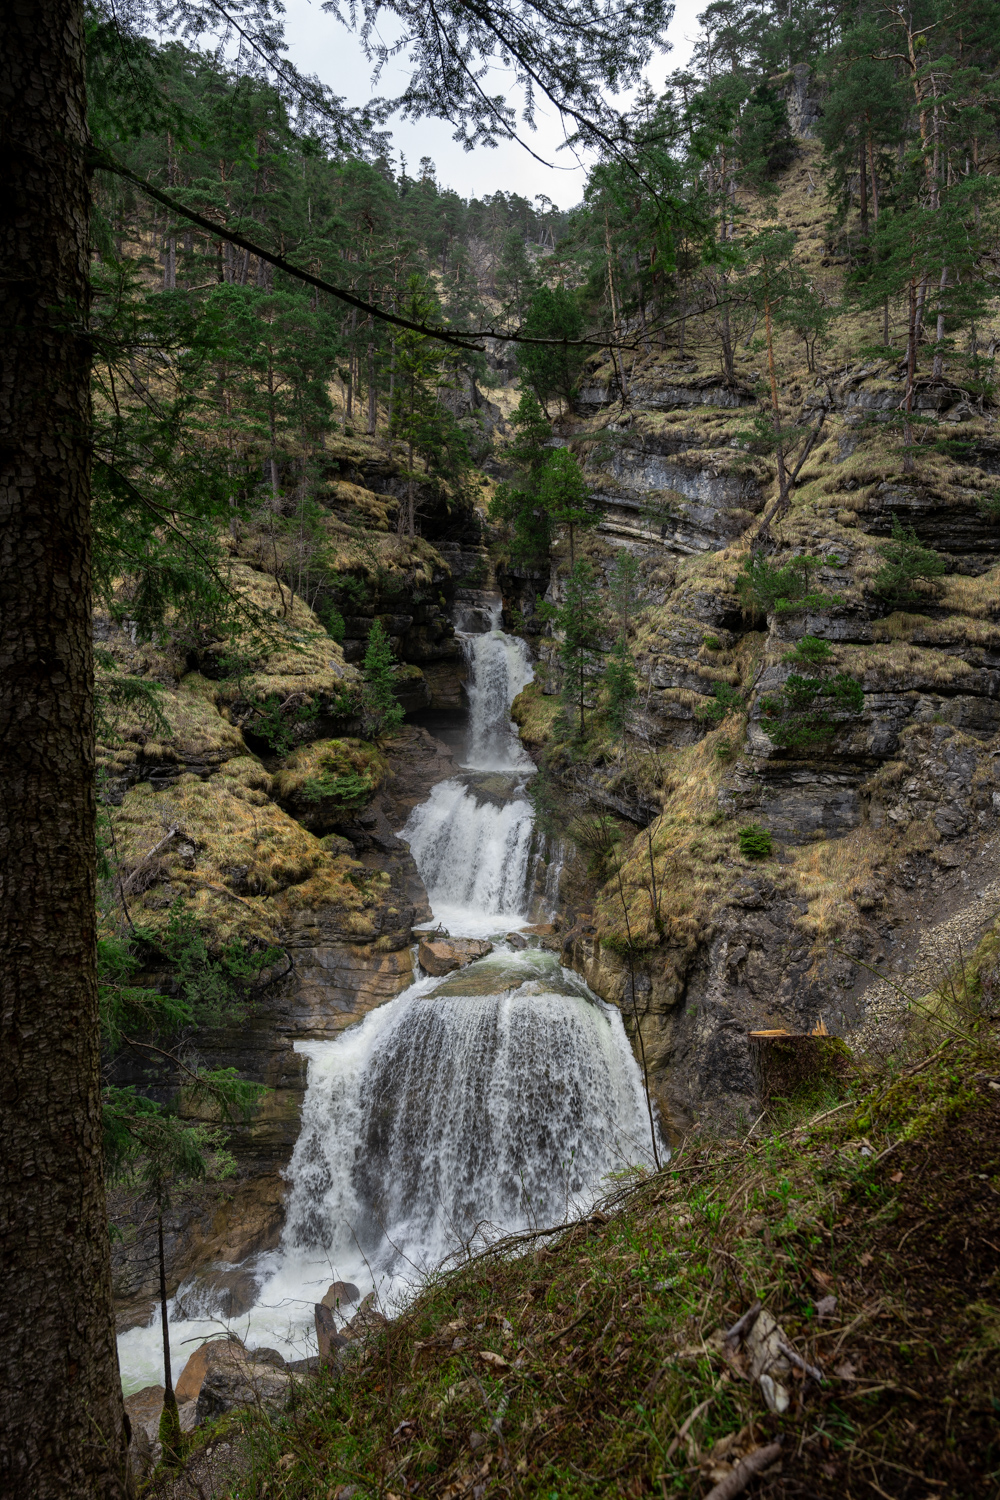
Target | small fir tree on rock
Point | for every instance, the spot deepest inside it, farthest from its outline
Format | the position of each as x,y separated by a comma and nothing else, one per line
517,501
381,712
562,491
580,620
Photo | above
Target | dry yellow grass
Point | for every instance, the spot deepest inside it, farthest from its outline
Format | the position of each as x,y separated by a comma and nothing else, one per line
196,731
226,848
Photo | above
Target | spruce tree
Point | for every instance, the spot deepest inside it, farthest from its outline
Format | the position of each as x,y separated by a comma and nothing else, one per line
381,712
619,674
550,369
517,501
562,493
580,620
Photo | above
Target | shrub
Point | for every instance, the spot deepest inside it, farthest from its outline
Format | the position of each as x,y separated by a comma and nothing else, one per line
331,619
767,589
907,561
725,700
712,643
380,711
755,842
347,788
795,716
810,649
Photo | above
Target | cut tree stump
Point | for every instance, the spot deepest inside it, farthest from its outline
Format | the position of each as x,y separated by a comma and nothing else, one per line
787,1063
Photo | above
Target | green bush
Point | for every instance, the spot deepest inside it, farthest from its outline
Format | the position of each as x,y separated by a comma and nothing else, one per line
347,788
906,562
810,649
755,842
331,619
797,716
767,589
725,700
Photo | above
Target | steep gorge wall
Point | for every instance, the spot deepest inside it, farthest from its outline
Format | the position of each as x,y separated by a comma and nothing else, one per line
882,829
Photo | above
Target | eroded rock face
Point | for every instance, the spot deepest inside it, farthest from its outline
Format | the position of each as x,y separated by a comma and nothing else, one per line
341,961
897,799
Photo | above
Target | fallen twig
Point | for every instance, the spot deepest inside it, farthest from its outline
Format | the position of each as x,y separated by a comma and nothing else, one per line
682,1434
736,1482
797,1359
744,1324
127,884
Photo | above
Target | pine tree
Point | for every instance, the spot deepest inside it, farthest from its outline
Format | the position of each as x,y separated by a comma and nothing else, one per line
619,674
562,493
580,620
381,713
419,419
552,370
517,502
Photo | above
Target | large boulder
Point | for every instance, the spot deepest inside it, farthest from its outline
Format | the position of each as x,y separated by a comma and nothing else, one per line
439,956
238,1378
213,1352
340,1294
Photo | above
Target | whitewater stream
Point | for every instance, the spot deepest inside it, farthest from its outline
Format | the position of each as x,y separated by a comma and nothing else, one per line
500,1097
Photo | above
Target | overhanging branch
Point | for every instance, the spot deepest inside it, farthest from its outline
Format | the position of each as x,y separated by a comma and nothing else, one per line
461,338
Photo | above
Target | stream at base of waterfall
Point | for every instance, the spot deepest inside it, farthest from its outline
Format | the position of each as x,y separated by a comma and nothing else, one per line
498,1098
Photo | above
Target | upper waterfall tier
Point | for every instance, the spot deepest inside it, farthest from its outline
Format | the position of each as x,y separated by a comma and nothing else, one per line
499,667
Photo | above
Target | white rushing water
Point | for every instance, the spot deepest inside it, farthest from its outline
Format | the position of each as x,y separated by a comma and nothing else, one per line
495,1099
499,667
473,857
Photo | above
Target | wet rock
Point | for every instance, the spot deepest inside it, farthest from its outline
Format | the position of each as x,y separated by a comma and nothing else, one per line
340,1294
192,1377
269,1357
517,941
440,956
227,1292
235,1378
327,1337
143,1409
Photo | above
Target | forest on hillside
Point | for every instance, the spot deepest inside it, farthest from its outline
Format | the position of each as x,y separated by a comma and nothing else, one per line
266,375
219,378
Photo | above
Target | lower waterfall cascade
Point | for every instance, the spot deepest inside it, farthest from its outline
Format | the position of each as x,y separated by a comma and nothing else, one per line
498,1098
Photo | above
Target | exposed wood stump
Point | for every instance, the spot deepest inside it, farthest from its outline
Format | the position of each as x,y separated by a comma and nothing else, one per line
787,1064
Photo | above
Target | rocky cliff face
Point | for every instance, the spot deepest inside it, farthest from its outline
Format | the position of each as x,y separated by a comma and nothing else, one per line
880,828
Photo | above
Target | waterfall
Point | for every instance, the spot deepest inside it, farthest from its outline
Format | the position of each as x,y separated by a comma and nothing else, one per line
499,667
445,1117
473,858
498,1098
472,843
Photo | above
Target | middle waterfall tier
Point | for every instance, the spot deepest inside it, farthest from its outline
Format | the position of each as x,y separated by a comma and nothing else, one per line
473,857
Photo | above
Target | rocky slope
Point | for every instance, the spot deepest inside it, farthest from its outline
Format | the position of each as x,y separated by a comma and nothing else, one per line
883,827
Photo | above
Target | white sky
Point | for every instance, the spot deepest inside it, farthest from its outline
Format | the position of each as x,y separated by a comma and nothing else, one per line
319,44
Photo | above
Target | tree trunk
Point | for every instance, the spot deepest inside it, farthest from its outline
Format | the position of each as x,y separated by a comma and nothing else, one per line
170,1427
63,1416
938,370
372,392
911,367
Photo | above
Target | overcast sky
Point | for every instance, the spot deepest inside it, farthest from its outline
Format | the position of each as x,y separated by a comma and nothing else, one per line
319,44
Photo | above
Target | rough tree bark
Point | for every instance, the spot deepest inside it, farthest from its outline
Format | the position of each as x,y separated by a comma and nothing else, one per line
60,1398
